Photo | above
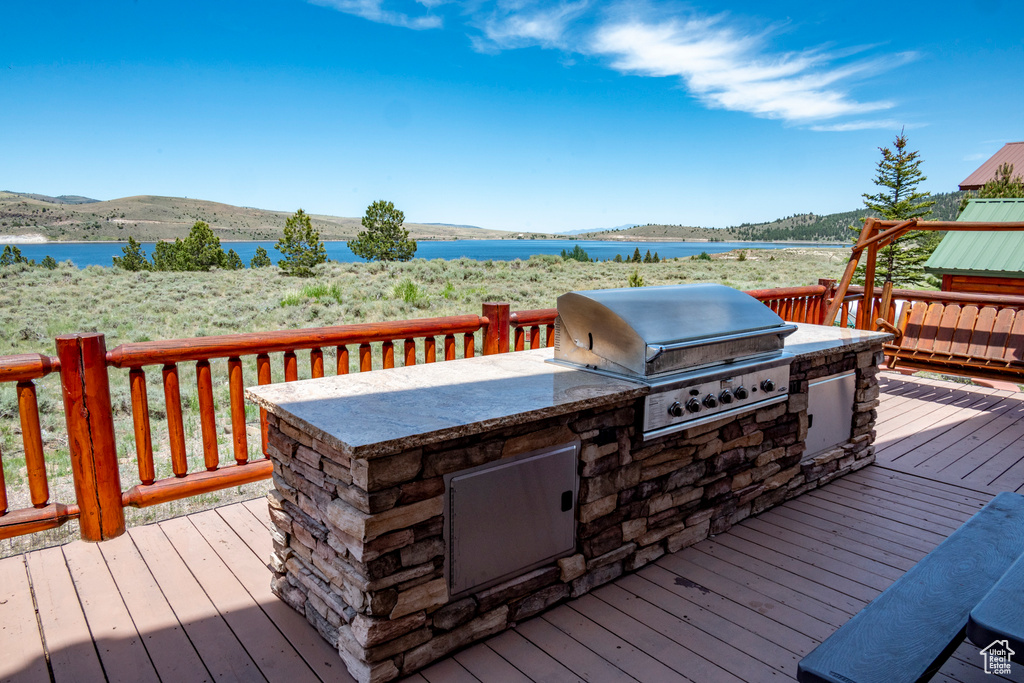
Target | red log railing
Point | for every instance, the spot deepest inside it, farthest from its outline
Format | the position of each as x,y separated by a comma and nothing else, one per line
24,369
85,368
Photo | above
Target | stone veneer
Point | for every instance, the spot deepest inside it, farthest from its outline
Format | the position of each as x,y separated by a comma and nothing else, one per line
359,546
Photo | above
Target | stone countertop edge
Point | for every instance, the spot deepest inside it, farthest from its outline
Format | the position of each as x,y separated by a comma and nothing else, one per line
808,341
615,391
812,341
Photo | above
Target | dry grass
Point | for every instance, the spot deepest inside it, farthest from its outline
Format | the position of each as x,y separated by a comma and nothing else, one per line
37,305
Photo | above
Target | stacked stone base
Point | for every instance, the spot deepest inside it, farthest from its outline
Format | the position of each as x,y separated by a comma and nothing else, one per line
359,546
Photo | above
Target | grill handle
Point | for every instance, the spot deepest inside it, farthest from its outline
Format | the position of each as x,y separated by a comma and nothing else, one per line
658,349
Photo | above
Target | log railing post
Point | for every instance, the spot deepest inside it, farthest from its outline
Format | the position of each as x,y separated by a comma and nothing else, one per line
86,389
826,296
496,331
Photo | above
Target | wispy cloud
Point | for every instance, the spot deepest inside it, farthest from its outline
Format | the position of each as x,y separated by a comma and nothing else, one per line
718,60
374,11
522,23
728,69
877,124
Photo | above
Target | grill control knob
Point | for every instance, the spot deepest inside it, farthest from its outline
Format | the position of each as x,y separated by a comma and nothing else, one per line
676,409
725,396
768,385
741,393
693,405
711,401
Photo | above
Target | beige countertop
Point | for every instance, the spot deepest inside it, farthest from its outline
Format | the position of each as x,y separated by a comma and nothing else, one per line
385,411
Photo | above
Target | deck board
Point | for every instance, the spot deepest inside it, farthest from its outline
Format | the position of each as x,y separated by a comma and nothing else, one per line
189,598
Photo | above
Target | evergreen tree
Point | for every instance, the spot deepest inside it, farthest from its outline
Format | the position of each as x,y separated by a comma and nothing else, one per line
261,259
618,258
134,257
577,254
300,246
636,256
49,263
647,256
12,255
202,248
233,261
384,238
898,199
655,259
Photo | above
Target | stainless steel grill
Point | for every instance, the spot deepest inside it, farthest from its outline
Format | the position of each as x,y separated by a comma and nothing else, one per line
707,351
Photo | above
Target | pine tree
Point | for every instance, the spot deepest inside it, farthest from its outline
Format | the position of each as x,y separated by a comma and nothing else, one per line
898,199
647,256
300,246
134,257
261,259
12,255
384,238
1003,185
49,263
636,256
233,261
618,258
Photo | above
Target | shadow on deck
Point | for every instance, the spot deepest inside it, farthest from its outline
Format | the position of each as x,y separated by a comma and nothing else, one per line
188,599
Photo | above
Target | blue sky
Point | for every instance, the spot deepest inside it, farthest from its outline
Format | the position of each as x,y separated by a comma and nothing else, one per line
507,114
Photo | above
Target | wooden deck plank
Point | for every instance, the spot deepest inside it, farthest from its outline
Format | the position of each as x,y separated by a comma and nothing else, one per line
251,572
120,647
771,600
881,497
707,657
536,664
268,648
891,444
258,507
73,655
965,501
448,671
489,666
743,627
577,657
661,647
970,446
23,660
216,643
929,487
169,648
620,653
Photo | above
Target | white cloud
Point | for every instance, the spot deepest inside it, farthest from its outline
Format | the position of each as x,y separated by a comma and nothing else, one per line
374,11
729,70
520,23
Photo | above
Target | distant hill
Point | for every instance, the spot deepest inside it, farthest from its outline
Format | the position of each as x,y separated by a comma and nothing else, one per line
149,218
804,227
63,199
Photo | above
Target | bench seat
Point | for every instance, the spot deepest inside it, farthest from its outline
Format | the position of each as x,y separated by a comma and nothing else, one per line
908,632
974,340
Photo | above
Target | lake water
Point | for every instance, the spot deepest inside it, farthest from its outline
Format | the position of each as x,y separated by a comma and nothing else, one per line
101,253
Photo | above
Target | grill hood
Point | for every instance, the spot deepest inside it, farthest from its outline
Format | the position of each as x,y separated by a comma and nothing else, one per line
647,332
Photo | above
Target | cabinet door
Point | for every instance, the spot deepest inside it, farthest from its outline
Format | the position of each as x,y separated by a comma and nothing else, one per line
507,517
830,411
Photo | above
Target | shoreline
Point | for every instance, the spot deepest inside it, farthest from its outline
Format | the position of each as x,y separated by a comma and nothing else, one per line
37,239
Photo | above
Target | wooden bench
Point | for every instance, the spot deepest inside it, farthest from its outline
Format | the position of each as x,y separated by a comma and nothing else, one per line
976,340
908,632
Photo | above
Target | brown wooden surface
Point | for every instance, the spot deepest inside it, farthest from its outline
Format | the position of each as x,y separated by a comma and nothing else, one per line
32,439
90,425
189,599
982,284
140,421
192,594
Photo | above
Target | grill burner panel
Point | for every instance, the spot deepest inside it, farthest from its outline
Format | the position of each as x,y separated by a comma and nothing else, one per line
707,351
683,401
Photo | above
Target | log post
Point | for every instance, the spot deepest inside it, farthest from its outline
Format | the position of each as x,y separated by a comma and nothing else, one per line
86,389
496,331
826,297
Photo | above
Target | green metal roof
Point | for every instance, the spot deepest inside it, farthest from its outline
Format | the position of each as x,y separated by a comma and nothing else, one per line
991,254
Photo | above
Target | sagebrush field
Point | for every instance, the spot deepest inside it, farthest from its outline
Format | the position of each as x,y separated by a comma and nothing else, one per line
37,305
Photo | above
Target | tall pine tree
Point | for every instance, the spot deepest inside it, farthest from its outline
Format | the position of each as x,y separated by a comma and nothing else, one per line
898,199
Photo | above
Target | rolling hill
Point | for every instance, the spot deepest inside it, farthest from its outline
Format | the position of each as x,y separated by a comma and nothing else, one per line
150,218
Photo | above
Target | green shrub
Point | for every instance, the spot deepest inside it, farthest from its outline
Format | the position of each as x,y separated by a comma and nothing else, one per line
409,292
702,256
636,279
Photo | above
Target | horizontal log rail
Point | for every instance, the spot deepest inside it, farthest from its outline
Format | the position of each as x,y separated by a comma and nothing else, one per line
526,328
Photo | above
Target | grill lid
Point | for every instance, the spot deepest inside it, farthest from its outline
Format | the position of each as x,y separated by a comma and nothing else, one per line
647,331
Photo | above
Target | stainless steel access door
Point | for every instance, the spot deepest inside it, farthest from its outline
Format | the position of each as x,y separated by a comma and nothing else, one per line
830,411
510,516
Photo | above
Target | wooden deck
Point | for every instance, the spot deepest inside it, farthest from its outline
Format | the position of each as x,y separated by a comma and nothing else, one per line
188,599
